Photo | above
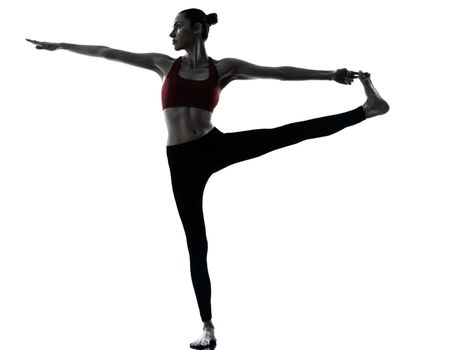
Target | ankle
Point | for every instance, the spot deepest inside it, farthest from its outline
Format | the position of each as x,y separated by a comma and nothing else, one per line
365,107
208,325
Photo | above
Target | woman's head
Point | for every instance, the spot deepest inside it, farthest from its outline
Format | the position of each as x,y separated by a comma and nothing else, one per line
192,24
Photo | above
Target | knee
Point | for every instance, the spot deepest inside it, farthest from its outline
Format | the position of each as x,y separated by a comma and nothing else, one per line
198,248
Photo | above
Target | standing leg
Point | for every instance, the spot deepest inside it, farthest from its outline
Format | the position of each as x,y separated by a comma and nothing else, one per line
189,197
189,177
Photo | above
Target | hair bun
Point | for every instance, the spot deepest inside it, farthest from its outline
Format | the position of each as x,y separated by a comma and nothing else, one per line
212,18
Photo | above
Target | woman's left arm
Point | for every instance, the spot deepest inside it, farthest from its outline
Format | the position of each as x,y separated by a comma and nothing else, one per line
239,69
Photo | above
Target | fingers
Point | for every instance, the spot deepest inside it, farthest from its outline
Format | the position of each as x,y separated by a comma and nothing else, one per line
40,45
349,77
35,42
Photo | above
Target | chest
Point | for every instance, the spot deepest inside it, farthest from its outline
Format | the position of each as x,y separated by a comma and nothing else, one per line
200,73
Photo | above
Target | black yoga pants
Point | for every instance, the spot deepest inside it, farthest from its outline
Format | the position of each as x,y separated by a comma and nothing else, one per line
192,163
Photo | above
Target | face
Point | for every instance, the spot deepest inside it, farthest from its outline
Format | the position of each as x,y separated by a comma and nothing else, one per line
182,34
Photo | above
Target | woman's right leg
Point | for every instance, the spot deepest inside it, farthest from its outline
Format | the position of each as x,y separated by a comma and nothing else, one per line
188,193
189,175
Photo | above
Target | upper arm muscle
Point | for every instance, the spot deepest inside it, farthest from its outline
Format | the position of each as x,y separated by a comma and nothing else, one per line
240,69
152,61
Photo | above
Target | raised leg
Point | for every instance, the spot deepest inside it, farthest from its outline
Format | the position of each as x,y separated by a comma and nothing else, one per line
239,146
375,104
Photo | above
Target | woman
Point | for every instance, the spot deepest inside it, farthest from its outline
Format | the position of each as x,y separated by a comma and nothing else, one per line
195,148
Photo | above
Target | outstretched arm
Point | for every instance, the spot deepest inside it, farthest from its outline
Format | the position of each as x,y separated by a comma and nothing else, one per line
90,50
152,61
239,69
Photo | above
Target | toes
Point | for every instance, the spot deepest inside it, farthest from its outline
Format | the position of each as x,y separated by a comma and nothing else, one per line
363,75
200,344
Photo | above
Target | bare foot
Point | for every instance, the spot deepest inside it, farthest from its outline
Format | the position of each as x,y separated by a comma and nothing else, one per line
207,340
375,104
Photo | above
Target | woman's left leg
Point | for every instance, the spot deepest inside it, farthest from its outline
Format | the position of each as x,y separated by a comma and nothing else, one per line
239,146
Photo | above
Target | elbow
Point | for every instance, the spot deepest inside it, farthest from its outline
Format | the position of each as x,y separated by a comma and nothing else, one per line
280,73
106,52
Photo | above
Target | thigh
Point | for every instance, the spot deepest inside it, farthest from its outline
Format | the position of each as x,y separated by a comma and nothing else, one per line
188,191
236,147
239,146
188,186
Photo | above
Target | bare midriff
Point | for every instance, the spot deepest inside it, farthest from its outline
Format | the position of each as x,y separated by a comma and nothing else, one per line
186,124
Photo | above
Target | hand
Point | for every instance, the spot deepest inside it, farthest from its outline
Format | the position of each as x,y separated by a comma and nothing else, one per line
344,76
43,45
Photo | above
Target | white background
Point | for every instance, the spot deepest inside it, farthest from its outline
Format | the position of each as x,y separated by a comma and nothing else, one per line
352,241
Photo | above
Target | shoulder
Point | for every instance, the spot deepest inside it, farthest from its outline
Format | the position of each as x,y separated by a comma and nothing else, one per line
234,68
162,58
163,62
226,66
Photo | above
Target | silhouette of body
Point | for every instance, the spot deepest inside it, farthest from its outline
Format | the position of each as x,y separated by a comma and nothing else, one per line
195,148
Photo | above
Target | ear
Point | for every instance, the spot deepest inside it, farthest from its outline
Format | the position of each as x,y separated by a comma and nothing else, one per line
198,28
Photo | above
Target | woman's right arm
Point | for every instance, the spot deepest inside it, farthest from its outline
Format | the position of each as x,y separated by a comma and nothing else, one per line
153,61
90,50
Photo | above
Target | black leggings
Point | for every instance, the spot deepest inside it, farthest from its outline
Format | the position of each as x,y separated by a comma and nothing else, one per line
193,162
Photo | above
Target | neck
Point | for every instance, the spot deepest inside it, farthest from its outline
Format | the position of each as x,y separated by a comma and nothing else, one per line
196,55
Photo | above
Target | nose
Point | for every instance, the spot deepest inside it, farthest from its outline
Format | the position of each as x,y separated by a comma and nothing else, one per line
172,35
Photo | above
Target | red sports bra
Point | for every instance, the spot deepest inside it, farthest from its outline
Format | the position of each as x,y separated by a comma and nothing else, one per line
177,91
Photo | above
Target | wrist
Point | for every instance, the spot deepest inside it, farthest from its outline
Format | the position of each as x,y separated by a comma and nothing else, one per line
332,75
